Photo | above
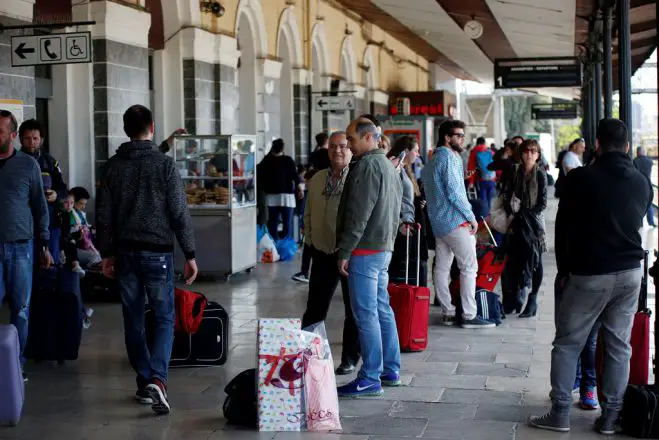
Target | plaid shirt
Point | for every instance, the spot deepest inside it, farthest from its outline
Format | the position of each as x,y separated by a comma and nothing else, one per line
443,181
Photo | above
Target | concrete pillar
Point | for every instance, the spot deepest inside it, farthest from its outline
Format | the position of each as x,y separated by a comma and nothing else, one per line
269,105
499,120
380,104
16,83
302,116
362,105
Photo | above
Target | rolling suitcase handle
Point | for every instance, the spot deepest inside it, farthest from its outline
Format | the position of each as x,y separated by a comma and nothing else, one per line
418,254
643,296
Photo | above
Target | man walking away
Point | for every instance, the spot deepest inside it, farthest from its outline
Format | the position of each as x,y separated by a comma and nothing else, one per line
142,207
600,271
644,164
453,224
24,212
367,222
325,190
479,174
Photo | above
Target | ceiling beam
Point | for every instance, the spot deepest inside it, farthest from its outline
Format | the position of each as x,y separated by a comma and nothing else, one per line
493,43
372,14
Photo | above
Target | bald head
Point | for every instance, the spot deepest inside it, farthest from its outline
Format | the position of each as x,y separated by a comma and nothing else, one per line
362,136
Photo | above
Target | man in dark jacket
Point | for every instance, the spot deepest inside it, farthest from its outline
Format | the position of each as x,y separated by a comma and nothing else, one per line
600,269
142,207
644,164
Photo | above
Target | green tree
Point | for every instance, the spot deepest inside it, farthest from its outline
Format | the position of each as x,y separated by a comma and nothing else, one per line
517,114
566,134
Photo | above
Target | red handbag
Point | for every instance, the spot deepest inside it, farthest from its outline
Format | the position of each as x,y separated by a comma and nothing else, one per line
190,308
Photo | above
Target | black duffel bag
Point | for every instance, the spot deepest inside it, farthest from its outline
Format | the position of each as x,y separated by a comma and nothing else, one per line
640,412
240,406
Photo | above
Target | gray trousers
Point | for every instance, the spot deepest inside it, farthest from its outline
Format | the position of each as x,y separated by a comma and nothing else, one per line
613,300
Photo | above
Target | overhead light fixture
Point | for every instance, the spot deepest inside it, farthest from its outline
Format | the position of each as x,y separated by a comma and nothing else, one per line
214,8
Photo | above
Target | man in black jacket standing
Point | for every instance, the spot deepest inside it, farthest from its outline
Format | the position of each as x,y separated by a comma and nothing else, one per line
142,206
600,270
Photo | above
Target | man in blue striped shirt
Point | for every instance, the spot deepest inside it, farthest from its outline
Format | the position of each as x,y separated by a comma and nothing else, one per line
453,224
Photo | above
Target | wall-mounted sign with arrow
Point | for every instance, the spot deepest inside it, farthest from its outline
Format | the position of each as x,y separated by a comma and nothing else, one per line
334,103
67,48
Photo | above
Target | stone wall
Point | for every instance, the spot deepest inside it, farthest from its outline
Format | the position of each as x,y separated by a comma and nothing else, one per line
121,79
301,102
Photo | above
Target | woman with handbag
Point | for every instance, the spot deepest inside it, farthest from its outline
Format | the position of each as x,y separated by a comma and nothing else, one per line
524,200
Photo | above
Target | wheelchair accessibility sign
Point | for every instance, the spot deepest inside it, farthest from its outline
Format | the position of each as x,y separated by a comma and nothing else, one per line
67,48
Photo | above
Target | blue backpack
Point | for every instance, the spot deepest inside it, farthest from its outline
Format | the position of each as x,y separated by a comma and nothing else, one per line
483,159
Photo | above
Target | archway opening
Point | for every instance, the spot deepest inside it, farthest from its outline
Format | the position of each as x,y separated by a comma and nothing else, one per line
286,94
246,78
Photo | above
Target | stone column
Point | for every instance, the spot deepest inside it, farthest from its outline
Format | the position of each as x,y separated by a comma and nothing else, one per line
16,83
302,117
268,104
195,83
380,104
362,106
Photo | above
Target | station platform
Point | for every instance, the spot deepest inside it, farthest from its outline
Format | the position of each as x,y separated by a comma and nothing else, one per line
468,384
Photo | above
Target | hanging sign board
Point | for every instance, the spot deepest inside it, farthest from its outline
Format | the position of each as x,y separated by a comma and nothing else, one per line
567,110
67,48
520,73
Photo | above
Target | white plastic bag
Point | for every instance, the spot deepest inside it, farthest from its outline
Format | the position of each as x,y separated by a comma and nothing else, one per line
499,218
266,250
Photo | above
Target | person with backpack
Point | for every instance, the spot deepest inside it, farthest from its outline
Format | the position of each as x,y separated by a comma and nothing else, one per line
480,159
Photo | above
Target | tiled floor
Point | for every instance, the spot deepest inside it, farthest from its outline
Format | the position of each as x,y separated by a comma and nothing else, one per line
468,385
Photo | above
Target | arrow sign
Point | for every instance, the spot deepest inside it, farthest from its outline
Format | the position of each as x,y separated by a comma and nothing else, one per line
21,50
335,103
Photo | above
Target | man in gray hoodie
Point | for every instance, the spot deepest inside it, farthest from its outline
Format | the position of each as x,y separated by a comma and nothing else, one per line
142,207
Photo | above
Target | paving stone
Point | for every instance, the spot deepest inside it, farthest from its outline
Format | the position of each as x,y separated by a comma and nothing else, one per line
471,430
409,394
389,426
357,408
485,369
467,356
519,384
429,367
420,356
434,412
482,397
455,381
508,413
501,348
317,436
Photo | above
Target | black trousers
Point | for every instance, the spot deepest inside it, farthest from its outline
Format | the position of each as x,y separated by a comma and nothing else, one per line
323,281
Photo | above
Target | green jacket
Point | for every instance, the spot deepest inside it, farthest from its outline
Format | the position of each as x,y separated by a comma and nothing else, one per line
369,211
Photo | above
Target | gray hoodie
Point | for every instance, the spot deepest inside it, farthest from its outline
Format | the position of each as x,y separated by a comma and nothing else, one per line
142,203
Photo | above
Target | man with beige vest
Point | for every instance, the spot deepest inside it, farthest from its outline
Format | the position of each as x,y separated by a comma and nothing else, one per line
323,197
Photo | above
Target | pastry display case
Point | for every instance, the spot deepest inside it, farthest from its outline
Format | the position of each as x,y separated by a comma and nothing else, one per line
219,175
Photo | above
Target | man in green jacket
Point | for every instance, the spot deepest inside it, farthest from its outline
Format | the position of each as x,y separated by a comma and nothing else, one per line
367,222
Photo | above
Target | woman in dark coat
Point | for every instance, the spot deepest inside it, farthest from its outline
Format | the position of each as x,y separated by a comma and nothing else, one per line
525,197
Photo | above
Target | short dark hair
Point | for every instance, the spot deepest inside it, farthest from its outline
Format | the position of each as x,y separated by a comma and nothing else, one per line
13,123
447,128
79,193
321,138
612,135
480,140
137,121
277,146
30,125
518,137
371,118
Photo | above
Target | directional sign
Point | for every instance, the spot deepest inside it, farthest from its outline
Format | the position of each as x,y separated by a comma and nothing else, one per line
567,110
512,73
68,48
334,103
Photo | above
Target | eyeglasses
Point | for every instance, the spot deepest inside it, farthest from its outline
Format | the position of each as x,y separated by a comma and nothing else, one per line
460,135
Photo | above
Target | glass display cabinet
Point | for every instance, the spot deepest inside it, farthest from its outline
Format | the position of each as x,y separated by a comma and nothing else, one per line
219,175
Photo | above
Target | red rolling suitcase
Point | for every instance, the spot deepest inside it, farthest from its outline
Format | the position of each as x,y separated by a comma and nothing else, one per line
411,306
639,366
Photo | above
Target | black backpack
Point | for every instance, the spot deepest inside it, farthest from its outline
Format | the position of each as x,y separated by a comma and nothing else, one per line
640,411
240,406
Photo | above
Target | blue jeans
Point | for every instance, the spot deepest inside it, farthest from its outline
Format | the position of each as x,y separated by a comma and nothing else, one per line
650,215
378,337
286,218
486,192
149,274
16,283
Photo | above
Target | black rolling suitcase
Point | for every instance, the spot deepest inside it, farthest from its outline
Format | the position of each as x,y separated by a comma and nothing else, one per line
96,287
56,316
207,347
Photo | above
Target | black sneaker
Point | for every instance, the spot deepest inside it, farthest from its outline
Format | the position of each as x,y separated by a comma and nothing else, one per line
158,392
345,368
478,322
301,278
143,397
